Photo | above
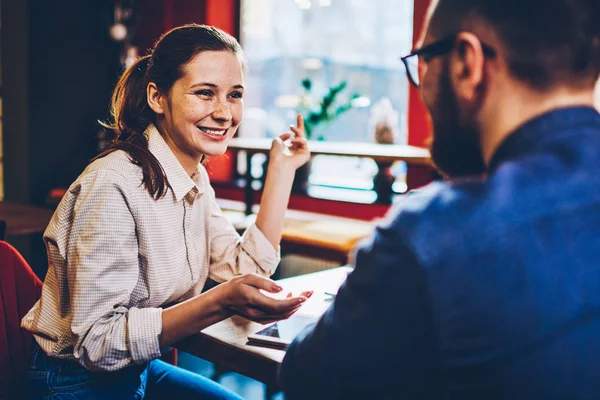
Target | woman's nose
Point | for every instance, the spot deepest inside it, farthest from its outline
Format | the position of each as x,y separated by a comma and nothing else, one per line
221,111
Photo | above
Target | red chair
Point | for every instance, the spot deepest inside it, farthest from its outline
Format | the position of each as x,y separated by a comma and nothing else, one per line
20,288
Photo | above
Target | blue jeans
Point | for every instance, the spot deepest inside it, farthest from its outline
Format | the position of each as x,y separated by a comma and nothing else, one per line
57,379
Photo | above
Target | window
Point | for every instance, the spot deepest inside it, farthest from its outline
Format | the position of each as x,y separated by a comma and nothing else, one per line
328,42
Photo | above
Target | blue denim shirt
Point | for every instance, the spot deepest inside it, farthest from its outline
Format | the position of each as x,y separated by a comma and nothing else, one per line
484,288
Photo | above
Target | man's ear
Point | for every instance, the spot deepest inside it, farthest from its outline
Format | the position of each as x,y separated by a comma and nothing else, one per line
155,98
467,64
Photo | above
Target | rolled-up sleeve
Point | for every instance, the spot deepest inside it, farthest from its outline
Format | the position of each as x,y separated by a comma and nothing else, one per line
101,252
232,254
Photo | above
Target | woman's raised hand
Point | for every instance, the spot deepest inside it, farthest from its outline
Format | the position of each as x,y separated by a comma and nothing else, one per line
291,149
242,296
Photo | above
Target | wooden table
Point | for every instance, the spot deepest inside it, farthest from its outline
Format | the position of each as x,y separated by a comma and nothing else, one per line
24,219
306,233
226,343
323,237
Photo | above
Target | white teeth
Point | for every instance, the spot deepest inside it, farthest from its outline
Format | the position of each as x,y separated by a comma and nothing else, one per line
213,131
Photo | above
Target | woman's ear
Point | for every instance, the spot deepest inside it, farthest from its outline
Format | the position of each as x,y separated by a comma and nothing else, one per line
155,98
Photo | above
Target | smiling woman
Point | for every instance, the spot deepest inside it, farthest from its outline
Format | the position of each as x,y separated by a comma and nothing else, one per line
203,109
140,230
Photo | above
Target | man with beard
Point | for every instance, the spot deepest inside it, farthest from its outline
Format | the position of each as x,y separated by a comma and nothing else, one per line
486,286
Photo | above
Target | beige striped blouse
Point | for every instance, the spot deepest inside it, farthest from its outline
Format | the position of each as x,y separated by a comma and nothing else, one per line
117,256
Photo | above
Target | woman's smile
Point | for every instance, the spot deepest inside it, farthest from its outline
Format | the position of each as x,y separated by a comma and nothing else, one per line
217,134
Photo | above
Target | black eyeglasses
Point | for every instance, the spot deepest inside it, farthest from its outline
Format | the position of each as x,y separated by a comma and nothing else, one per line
435,49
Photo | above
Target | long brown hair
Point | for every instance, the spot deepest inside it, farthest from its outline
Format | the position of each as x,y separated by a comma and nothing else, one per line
130,114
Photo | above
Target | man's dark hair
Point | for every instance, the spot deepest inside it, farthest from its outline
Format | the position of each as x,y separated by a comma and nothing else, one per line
546,41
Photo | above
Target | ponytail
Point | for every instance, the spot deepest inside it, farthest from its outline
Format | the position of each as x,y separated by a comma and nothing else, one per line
130,115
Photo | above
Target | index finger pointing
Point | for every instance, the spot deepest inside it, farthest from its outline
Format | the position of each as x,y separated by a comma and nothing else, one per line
300,123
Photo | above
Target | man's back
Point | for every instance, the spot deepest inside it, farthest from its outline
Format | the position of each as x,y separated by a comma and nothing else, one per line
481,289
514,270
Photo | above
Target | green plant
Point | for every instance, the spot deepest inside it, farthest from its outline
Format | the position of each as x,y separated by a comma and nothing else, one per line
326,111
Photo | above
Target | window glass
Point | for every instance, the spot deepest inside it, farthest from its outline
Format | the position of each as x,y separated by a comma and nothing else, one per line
327,42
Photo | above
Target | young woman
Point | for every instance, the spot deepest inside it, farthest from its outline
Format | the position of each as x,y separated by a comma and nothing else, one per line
139,232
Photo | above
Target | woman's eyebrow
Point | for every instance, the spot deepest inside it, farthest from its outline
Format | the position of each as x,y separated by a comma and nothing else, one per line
204,84
212,85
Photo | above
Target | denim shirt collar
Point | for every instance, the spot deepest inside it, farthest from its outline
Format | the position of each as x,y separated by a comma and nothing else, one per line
539,130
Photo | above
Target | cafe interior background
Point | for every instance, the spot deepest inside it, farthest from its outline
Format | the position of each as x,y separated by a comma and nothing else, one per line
61,59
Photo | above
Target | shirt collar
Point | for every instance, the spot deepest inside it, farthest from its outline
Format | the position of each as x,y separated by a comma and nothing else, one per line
540,130
180,182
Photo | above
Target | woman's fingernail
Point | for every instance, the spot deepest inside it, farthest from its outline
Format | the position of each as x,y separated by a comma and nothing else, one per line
301,299
277,288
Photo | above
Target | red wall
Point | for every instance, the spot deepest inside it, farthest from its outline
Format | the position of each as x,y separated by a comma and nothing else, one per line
419,126
224,14
154,17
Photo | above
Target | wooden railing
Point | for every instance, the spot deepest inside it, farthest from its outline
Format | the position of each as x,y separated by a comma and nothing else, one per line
415,156
419,167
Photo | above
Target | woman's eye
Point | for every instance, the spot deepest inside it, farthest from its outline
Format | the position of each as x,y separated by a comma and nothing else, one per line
203,93
237,95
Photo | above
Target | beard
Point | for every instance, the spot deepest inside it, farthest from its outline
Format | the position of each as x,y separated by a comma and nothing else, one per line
455,146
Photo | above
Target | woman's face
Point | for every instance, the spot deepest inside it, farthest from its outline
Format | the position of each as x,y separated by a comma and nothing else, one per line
203,109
